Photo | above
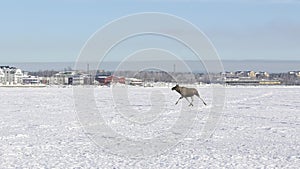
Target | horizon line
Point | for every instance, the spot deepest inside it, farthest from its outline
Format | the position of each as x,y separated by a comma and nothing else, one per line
151,60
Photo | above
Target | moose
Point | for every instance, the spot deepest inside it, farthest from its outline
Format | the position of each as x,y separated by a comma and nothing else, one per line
187,92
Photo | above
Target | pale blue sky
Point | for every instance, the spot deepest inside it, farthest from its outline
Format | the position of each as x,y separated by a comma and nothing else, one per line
56,30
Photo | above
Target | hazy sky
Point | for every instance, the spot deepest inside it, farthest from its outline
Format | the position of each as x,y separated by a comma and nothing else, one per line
56,30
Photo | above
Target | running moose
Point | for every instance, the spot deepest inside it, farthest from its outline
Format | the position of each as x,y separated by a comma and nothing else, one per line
187,92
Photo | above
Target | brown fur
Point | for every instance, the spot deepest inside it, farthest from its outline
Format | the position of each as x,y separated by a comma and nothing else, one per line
187,92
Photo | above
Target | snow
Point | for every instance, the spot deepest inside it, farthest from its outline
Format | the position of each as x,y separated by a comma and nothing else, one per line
259,127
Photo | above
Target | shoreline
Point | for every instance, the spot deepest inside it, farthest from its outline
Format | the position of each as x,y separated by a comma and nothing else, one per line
23,86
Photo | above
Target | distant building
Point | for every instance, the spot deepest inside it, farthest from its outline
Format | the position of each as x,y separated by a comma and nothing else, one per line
107,80
134,81
262,75
46,80
241,73
228,75
10,75
252,74
30,80
88,79
294,73
2,76
76,80
64,78
101,79
250,78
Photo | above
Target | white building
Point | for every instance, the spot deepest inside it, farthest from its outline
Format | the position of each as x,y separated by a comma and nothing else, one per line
2,76
64,78
30,80
10,75
134,81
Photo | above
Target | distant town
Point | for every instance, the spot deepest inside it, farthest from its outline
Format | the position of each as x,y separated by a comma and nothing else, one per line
12,76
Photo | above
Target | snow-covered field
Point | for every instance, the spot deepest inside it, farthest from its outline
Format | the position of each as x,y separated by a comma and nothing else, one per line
259,127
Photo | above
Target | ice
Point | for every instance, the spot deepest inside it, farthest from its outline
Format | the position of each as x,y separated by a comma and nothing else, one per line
259,128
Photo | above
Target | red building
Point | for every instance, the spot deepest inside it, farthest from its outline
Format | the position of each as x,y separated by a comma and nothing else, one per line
107,80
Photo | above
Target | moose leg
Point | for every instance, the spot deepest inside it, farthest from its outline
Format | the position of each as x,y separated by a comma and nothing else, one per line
178,100
197,94
202,100
192,100
191,104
